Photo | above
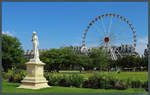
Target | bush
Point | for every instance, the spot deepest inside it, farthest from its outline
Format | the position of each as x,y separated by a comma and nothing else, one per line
6,75
76,80
16,76
87,84
52,80
96,81
120,85
102,81
136,84
63,80
145,85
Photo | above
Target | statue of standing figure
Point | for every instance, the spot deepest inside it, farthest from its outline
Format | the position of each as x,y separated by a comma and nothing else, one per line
35,47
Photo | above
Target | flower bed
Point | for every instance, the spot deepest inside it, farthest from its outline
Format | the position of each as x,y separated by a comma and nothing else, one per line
95,81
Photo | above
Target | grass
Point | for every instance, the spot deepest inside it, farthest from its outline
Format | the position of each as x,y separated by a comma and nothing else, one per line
143,76
11,88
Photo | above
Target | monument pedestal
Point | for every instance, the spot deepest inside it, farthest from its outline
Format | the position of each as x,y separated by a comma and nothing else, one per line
34,78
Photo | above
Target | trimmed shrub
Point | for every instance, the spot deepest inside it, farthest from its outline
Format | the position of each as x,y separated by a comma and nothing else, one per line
96,81
76,80
145,85
120,85
64,80
87,84
102,81
16,76
136,84
53,80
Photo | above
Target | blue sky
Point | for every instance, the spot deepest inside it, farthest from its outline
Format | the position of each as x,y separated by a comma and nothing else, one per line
57,23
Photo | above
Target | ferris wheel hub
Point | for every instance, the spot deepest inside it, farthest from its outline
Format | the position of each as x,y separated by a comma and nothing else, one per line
106,39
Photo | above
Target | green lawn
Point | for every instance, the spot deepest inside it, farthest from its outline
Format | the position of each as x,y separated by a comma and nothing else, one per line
11,88
143,76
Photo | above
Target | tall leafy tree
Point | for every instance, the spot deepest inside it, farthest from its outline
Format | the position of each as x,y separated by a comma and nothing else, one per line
12,53
57,59
100,58
68,57
85,62
52,59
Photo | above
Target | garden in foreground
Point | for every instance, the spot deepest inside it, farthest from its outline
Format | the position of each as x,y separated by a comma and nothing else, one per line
11,88
85,82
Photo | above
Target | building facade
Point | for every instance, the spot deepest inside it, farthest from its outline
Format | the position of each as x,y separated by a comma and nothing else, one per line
122,50
146,51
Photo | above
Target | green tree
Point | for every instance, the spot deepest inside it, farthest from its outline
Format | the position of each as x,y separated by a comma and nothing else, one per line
85,62
68,57
12,53
144,62
128,62
111,64
100,58
52,59
57,59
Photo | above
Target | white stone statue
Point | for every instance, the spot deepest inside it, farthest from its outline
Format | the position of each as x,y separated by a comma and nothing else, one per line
35,47
34,78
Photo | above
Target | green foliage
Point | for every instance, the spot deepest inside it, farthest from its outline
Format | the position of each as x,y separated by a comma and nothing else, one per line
76,80
8,87
63,58
121,85
145,85
102,81
126,62
100,58
84,61
6,75
12,53
57,59
16,76
51,58
64,80
68,57
97,80
132,62
144,62
136,84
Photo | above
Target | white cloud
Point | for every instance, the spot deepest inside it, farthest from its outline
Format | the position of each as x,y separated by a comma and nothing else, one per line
140,49
143,41
141,45
8,32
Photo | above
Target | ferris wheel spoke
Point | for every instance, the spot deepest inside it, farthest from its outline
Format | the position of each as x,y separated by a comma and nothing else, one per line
110,24
118,34
95,41
122,31
128,38
112,35
97,28
102,43
103,33
117,26
103,26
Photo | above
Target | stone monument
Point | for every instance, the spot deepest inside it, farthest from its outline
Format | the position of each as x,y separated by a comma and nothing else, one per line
34,78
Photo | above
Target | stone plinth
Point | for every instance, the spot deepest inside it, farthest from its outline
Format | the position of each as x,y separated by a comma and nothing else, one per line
34,78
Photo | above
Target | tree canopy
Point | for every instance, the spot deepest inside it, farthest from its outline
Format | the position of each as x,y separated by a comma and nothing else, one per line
12,53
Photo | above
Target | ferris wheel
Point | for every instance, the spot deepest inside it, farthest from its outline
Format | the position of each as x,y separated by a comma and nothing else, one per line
107,31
